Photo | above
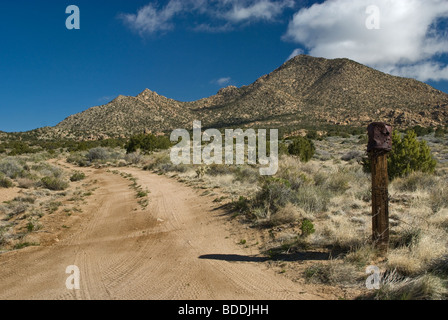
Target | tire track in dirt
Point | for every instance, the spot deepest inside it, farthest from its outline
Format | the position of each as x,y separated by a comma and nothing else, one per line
157,253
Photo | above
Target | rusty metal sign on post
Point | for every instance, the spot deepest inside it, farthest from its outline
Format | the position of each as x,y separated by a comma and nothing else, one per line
379,145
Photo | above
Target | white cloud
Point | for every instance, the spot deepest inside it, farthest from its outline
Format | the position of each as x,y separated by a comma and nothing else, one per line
149,19
222,14
223,81
423,71
406,44
296,52
256,10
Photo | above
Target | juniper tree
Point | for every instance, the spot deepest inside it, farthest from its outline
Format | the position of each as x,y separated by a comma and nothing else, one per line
303,148
407,155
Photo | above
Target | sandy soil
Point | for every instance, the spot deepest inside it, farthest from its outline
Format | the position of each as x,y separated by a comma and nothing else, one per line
177,248
9,194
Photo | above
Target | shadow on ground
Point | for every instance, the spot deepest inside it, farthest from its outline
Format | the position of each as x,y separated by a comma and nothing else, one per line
297,256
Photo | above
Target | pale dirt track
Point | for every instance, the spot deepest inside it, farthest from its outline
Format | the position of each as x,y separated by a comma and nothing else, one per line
178,248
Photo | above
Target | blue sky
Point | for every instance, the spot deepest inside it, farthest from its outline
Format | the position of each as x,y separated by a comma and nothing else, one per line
189,49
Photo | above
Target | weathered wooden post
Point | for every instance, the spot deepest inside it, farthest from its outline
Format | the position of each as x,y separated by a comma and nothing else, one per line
380,144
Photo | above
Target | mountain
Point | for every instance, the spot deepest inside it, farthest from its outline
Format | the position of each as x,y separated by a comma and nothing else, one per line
305,92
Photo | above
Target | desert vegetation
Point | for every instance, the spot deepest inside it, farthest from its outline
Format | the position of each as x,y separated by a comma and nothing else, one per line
35,189
321,203
318,203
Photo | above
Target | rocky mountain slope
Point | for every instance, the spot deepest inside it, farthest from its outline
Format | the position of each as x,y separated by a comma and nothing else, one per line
303,92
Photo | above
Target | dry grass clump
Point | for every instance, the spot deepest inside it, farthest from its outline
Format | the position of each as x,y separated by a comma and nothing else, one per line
341,232
416,181
161,162
425,287
416,256
438,197
26,183
333,272
287,214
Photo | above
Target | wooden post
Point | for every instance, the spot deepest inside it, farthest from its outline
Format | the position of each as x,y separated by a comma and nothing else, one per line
380,201
380,144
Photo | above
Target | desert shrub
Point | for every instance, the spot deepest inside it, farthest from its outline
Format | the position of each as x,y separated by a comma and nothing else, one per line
363,139
299,180
157,160
421,131
438,198
332,273
338,182
170,167
27,199
79,158
275,194
97,154
5,182
25,183
19,147
313,199
15,208
133,158
407,155
287,214
47,169
77,176
323,155
219,170
302,148
312,135
54,184
246,174
352,155
241,205
53,206
439,133
11,168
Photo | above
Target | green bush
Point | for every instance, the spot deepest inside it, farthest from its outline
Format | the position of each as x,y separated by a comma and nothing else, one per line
53,183
307,228
302,148
77,176
241,205
440,133
18,148
147,143
408,155
421,131
275,194
312,135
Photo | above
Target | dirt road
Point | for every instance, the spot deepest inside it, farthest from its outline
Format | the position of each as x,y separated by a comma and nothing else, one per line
177,248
